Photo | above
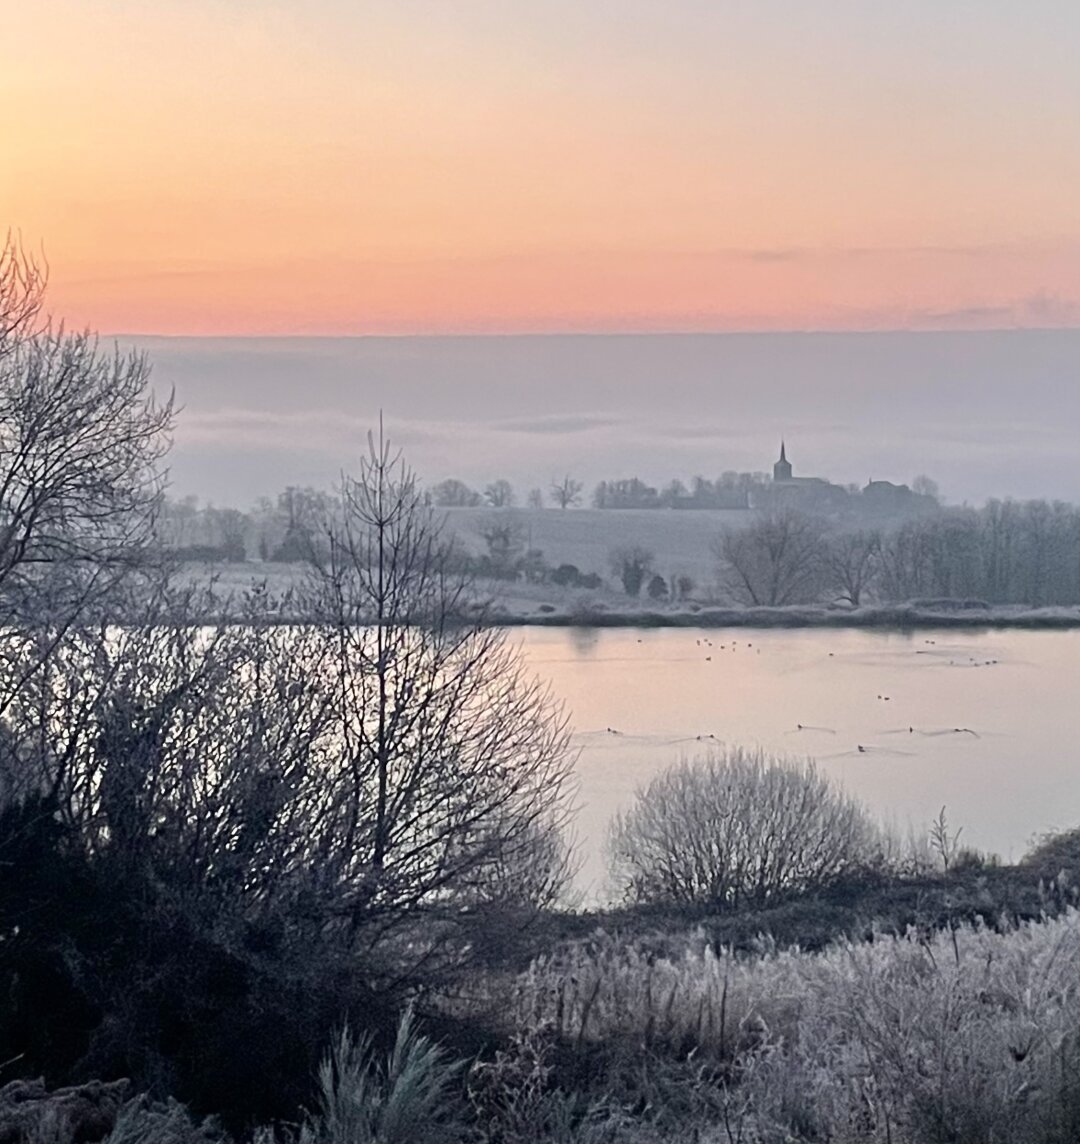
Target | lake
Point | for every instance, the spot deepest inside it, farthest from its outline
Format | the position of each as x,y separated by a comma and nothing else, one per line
983,723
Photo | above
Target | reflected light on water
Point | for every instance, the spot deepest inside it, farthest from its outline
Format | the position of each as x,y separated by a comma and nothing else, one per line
983,723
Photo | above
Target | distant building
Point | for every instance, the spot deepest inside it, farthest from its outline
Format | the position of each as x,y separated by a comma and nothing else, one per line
884,497
881,500
814,493
885,489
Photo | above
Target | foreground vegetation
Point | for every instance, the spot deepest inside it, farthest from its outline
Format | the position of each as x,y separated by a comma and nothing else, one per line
967,1033
938,1030
920,994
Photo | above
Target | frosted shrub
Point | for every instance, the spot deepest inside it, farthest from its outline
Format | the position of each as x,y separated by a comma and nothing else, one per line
737,828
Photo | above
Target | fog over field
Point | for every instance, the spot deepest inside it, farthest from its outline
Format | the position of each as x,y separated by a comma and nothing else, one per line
984,413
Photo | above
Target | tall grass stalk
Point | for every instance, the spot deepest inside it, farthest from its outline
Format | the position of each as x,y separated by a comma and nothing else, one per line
407,1098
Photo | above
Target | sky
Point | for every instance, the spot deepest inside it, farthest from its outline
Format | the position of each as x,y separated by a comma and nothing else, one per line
230,167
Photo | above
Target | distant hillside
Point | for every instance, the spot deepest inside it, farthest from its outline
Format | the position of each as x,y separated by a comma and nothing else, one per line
682,541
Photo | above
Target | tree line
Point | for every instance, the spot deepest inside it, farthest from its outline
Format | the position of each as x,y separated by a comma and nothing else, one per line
1007,552
565,492
731,490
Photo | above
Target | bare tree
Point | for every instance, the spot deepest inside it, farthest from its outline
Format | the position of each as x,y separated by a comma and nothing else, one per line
1007,552
511,885
852,561
231,527
22,292
81,440
536,498
934,557
945,842
453,493
925,486
683,587
376,773
567,492
499,494
905,563
774,561
450,756
177,521
738,828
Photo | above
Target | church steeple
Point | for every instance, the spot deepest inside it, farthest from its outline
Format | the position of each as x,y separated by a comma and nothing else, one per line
781,471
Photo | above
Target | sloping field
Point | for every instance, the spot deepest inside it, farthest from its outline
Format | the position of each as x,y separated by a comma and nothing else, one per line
680,538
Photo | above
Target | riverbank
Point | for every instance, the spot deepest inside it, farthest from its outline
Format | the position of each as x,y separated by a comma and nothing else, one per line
877,616
547,605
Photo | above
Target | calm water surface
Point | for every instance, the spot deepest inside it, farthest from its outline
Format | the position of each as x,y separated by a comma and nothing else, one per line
982,723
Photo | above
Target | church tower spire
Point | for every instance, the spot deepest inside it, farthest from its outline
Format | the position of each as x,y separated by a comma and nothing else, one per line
781,471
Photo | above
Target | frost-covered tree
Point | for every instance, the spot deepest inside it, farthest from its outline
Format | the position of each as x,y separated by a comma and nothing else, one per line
777,560
738,828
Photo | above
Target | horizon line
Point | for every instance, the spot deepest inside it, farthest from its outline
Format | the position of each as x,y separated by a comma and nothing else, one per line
615,333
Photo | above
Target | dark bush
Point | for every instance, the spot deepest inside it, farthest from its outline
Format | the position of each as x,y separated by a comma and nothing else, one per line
1057,856
103,977
632,564
949,604
566,576
297,547
207,554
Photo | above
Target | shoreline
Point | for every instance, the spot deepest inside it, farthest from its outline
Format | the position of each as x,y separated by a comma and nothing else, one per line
519,605
799,616
896,618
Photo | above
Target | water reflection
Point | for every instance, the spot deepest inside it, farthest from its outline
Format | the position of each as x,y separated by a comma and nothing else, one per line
584,641
983,723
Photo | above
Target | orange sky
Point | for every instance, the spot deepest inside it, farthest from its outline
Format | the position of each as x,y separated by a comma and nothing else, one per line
307,166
